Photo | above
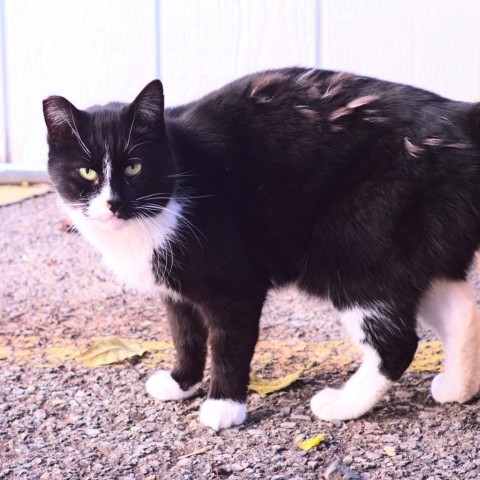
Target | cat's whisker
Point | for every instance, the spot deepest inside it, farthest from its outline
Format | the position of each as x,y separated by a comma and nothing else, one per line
188,173
61,244
131,128
77,134
164,195
154,208
137,145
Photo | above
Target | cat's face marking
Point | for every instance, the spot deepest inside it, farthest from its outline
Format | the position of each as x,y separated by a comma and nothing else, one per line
102,206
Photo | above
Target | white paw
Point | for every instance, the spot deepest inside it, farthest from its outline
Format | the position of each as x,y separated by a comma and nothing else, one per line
327,405
219,414
444,390
162,386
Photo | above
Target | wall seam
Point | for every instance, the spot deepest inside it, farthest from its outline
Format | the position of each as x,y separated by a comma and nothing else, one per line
4,92
318,38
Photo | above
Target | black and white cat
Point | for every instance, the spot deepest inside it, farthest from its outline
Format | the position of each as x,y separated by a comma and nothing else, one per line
357,190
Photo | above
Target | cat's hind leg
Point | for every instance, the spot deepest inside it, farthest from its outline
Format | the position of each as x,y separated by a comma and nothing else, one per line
388,342
450,309
190,338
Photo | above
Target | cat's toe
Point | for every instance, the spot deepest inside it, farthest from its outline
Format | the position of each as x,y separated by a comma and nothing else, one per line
162,386
444,390
327,404
218,414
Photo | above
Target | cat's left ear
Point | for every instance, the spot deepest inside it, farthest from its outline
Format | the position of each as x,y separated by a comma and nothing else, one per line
61,118
148,107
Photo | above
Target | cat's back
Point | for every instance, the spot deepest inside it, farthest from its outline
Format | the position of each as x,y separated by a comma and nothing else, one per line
296,112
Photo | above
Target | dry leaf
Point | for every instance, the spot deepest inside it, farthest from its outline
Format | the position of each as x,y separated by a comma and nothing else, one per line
264,387
110,350
390,451
15,193
309,443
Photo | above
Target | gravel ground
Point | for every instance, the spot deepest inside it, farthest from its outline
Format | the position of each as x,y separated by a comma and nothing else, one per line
64,421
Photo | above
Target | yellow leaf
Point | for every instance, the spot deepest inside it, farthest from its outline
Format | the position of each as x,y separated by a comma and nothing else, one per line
110,350
309,443
264,387
390,451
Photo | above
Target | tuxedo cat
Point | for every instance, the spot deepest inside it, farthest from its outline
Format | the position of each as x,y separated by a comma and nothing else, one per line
356,190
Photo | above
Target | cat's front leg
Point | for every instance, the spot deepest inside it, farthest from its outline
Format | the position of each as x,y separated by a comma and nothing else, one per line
190,339
388,341
232,337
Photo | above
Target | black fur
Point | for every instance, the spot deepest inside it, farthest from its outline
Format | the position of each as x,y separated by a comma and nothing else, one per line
355,189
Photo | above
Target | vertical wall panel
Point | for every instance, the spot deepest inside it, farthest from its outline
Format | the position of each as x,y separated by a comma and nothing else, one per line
434,44
87,50
3,136
204,44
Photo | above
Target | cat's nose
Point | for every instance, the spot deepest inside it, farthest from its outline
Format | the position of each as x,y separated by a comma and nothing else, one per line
113,204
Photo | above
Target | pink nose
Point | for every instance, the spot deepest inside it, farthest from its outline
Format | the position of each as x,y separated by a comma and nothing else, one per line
113,205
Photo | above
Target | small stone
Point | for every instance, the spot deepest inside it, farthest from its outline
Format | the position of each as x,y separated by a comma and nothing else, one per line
92,432
184,462
300,417
40,414
339,471
288,425
372,455
239,467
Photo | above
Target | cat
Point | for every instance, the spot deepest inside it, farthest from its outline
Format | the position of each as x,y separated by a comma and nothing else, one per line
356,190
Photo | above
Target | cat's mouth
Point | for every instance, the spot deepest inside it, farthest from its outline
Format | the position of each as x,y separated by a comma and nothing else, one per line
110,221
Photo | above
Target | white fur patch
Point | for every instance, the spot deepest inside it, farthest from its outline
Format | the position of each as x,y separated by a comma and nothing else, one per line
218,414
98,208
364,388
162,386
127,248
451,310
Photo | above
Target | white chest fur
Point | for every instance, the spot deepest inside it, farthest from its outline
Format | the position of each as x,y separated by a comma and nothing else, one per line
128,250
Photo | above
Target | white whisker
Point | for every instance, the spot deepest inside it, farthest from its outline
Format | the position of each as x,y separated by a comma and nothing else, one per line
131,127
77,134
137,145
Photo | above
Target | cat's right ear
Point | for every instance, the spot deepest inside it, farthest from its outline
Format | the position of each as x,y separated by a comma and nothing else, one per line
148,107
61,118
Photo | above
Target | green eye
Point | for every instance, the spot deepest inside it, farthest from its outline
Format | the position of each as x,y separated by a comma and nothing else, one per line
133,169
88,174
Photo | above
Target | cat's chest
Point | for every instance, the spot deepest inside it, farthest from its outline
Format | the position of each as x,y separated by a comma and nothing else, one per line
129,252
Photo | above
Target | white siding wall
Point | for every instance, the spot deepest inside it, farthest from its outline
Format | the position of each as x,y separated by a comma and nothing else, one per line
205,44
3,139
434,44
94,51
91,51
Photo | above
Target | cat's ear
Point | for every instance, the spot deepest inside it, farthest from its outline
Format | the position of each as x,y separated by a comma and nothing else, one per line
61,118
148,107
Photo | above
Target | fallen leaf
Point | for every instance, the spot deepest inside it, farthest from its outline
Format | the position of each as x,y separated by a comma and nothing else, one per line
110,350
264,387
309,443
390,451
16,193
196,452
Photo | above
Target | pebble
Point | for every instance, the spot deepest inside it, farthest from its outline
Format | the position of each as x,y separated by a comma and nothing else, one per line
184,462
339,471
288,425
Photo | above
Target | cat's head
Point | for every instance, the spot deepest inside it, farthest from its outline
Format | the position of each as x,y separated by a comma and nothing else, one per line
111,163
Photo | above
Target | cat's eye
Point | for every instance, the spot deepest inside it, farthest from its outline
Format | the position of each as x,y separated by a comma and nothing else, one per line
88,174
133,169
